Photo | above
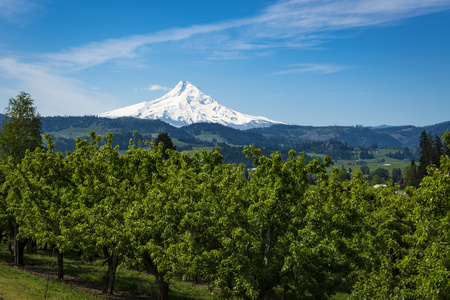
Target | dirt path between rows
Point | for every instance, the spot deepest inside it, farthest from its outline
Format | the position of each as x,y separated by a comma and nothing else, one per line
87,286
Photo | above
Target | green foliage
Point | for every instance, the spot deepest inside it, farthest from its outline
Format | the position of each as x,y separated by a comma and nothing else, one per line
43,183
431,151
410,175
21,128
249,237
20,132
333,148
230,135
381,174
365,170
382,245
427,264
265,234
167,143
404,154
396,175
365,154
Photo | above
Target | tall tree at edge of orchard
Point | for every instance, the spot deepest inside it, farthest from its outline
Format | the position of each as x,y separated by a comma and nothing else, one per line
396,175
410,177
163,137
21,130
426,266
426,154
438,150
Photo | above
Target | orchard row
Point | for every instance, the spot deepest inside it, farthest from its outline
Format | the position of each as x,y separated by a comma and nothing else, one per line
249,236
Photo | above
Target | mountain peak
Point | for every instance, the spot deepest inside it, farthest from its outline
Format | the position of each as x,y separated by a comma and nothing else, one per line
184,87
186,104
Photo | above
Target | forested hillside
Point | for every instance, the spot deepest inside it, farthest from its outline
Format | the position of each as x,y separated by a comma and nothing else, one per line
354,136
409,135
278,137
274,136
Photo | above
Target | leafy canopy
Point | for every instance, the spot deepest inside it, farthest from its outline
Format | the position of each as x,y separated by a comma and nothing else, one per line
21,128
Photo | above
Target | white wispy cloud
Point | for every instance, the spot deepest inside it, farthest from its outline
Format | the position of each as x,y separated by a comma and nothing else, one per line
314,68
15,10
226,55
96,53
287,23
54,93
155,87
294,17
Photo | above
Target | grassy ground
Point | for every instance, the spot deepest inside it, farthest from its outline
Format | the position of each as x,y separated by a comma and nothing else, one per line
86,276
83,280
211,138
380,160
19,284
199,149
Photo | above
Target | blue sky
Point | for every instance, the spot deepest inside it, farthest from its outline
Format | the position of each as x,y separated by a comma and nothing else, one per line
305,62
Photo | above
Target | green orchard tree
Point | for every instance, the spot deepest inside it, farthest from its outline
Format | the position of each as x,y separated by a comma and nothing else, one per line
381,243
213,192
153,219
44,181
13,208
4,217
7,217
98,173
21,130
334,215
254,233
427,265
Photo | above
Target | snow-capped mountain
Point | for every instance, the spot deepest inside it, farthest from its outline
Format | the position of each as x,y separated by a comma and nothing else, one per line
186,104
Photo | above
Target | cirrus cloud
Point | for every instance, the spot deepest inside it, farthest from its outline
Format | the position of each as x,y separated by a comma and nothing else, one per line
155,87
287,24
314,68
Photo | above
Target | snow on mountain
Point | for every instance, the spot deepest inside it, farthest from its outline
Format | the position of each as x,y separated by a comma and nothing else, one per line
185,104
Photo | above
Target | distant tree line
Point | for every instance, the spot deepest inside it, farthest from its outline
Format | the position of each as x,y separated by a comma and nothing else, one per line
366,154
333,148
403,154
431,150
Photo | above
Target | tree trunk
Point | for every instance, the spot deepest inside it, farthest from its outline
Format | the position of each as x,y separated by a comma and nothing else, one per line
30,246
267,251
161,284
111,274
18,248
163,287
60,257
11,238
